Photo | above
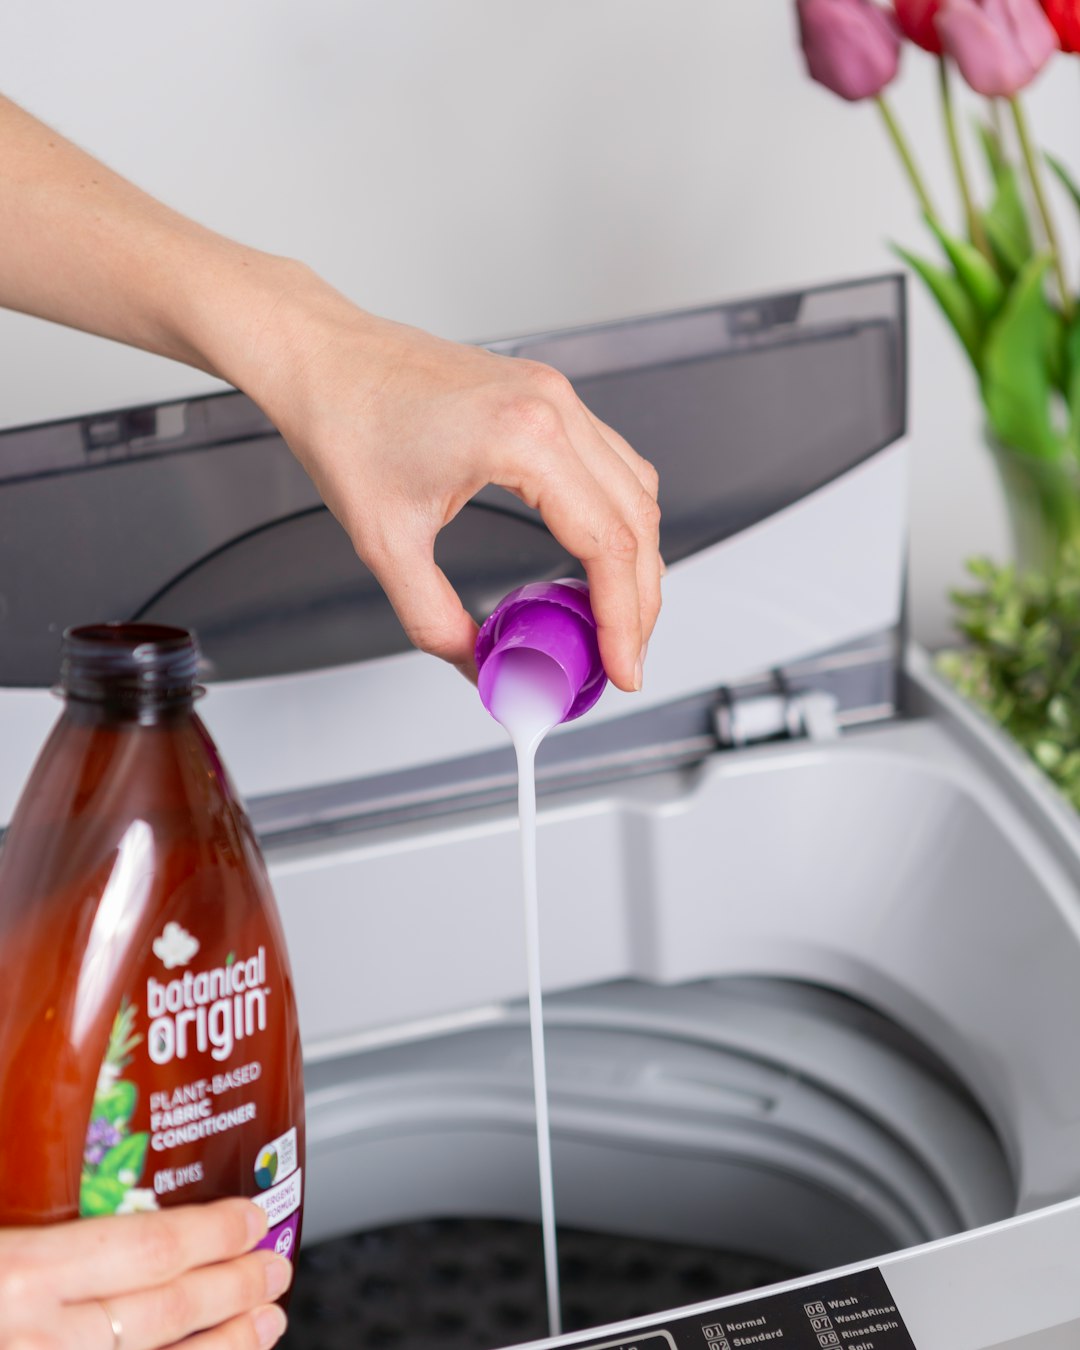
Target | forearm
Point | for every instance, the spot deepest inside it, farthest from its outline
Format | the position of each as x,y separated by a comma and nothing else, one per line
397,428
82,246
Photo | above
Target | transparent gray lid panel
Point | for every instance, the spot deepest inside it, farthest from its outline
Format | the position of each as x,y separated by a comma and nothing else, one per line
747,407
196,512
234,543
292,595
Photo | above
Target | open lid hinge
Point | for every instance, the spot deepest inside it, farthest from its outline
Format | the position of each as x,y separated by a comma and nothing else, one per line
811,700
812,715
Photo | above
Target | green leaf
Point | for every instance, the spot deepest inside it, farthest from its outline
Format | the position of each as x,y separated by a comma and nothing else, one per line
1006,224
976,275
122,1038
957,306
129,1155
118,1103
1070,183
1016,381
100,1195
1072,384
1056,353
983,569
1032,686
1002,633
1048,754
992,148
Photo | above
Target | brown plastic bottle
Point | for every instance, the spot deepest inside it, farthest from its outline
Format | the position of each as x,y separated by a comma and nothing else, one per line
149,1047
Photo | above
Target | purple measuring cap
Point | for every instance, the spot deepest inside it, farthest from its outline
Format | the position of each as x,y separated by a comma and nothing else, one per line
555,619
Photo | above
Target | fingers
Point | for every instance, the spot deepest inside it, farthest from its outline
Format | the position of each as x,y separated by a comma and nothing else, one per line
200,1299
589,524
645,472
634,482
101,1258
398,454
160,1276
641,468
424,601
598,498
258,1331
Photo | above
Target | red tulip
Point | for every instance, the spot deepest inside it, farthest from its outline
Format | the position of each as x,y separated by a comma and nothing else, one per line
999,45
851,46
916,18
1065,16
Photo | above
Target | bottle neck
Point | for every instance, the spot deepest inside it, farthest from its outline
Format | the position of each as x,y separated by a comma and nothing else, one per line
131,712
131,673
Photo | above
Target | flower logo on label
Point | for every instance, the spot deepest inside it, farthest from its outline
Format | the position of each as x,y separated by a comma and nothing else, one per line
175,947
138,1202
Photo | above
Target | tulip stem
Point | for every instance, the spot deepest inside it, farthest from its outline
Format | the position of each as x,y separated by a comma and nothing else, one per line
1035,178
998,122
975,227
899,140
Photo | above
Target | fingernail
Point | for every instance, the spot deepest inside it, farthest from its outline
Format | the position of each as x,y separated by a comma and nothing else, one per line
269,1327
256,1223
638,675
279,1273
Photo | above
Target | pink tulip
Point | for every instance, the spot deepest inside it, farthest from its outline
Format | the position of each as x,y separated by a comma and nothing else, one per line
851,46
999,45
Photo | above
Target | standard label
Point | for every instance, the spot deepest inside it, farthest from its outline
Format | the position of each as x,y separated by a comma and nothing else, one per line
855,1312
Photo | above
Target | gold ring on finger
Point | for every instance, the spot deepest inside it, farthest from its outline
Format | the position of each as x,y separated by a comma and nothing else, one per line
115,1325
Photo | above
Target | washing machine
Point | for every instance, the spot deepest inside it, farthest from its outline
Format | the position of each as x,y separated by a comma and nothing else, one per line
810,926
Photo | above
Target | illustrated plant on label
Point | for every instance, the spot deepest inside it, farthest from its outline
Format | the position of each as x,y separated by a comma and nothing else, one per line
114,1157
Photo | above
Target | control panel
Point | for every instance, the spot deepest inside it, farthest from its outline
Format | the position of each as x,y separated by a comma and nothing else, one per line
851,1312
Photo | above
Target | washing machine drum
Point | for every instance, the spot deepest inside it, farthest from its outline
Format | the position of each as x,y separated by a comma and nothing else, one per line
779,1123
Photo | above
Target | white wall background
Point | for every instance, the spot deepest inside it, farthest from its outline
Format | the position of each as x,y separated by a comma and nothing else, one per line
487,167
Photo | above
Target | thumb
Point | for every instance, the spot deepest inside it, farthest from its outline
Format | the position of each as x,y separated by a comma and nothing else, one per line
427,606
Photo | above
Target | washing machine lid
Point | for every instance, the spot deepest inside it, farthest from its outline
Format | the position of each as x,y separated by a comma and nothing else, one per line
768,420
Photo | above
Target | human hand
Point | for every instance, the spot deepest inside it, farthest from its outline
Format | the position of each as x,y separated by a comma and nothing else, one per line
186,1272
399,429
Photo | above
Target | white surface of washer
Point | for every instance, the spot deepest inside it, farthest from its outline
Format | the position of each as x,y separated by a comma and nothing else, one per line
913,865
926,871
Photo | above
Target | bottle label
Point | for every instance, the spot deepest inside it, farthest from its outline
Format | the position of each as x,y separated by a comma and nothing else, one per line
280,1180
114,1155
179,1108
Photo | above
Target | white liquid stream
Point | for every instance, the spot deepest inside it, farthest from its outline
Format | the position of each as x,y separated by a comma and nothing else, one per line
529,700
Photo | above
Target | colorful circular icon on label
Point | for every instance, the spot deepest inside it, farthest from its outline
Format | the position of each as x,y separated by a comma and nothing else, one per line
266,1165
